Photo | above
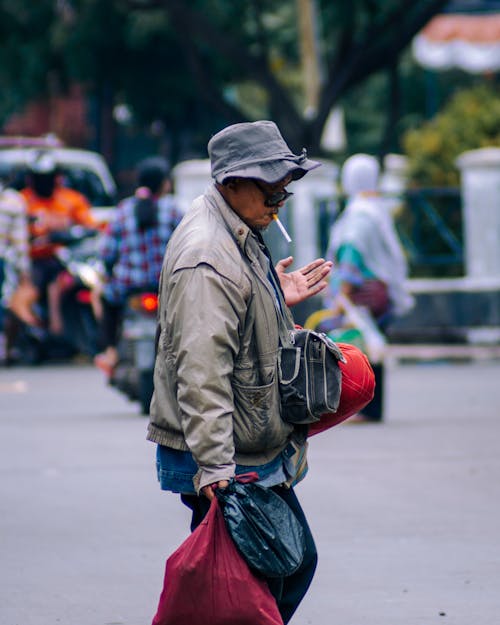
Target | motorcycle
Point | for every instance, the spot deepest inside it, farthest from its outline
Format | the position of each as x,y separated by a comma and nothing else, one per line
34,343
133,375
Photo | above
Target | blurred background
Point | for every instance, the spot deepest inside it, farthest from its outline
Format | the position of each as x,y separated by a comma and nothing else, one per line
414,83
103,84
128,77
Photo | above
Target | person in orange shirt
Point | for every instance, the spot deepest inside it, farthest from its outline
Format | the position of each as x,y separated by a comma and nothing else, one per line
51,208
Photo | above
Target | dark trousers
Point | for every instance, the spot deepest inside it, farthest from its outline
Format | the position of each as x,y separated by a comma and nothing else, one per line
288,591
45,271
374,410
112,315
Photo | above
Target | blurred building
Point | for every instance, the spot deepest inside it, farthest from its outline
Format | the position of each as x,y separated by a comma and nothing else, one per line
470,42
66,116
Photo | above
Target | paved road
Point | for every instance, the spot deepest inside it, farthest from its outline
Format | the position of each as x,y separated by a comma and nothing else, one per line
405,514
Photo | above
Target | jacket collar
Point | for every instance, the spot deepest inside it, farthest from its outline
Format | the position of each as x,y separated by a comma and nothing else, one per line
251,243
253,247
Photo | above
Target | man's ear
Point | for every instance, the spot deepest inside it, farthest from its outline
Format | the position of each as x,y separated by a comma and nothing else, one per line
232,184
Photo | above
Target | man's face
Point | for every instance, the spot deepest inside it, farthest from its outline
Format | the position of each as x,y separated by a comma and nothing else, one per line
250,198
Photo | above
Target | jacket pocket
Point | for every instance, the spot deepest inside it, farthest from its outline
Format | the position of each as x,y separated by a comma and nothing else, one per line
257,425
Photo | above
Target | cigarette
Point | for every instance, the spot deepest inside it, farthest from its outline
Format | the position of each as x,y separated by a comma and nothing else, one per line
282,228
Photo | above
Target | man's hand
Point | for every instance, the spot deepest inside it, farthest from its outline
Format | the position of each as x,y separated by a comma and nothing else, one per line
208,491
305,282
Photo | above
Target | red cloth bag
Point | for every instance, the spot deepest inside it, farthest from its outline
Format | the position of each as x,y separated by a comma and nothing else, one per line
207,582
358,386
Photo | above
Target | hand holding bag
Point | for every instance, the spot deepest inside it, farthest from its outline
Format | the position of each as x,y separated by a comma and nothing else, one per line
208,582
263,527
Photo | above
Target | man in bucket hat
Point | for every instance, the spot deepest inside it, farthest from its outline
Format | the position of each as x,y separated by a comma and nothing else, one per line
215,411
255,150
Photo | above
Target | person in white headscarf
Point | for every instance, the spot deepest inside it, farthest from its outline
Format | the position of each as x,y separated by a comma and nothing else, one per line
370,265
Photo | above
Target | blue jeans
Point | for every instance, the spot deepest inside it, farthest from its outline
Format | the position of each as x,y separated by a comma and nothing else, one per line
176,469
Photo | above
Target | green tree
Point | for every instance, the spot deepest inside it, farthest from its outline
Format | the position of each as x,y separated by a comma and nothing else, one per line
469,120
260,39
204,63
27,59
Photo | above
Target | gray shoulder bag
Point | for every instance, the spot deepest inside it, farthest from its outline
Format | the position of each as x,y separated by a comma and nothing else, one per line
310,379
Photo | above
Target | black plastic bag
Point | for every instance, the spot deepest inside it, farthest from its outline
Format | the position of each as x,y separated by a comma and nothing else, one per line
263,527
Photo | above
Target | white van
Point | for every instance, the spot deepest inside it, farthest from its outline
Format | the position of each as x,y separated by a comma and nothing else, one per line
83,170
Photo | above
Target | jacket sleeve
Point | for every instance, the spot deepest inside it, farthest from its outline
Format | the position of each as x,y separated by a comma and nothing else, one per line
205,313
81,212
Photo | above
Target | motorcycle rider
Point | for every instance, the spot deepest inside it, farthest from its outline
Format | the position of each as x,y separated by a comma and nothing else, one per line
133,247
51,208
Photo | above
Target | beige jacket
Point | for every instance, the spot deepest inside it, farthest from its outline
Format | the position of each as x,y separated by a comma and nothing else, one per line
216,386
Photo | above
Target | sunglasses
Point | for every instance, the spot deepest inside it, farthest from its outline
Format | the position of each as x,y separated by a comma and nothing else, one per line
272,199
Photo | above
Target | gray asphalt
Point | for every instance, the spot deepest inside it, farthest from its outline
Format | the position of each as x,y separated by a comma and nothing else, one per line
405,513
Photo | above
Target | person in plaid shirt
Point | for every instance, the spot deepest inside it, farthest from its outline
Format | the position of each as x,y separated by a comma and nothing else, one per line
133,247
14,249
15,281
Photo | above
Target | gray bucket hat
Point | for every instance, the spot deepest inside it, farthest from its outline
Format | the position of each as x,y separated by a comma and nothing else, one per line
255,150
